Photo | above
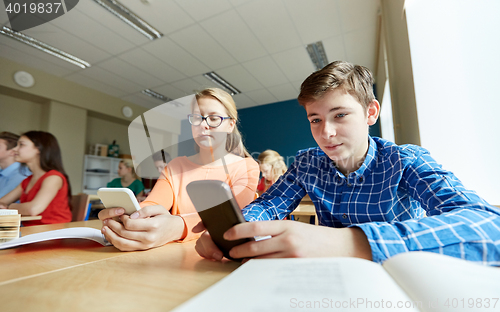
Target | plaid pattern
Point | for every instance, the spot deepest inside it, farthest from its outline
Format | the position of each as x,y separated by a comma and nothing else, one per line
388,197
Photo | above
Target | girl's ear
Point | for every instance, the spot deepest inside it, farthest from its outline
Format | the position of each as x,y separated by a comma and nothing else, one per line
372,112
232,124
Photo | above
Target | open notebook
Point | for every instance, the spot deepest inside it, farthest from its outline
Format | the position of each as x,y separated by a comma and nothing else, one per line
76,232
416,281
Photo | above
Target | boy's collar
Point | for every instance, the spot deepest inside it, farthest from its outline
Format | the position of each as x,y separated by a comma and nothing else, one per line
10,168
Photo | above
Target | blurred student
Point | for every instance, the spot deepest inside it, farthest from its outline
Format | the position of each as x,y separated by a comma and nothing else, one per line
161,159
128,178
272,167
168,214
47,192
11,172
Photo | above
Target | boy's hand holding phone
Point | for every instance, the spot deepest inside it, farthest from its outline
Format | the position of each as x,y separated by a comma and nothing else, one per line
290,239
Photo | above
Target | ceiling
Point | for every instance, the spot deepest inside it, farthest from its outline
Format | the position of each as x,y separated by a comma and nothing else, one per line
256,45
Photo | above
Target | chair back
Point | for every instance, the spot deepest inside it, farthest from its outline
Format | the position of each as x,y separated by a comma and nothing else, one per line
80,206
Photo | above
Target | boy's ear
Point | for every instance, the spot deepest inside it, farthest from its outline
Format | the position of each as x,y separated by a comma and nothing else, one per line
372,112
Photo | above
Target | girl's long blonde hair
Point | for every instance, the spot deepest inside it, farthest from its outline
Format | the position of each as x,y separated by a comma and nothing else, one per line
130,164
275,160
234,143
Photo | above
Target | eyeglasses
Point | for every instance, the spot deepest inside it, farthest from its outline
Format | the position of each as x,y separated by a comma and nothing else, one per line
212,120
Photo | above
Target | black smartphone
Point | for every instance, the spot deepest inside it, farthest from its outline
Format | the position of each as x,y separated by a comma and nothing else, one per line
215,203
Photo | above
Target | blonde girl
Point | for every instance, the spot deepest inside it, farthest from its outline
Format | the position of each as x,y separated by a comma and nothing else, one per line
167,213
272,167
128,178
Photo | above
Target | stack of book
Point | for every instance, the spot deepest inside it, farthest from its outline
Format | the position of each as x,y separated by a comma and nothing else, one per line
10,221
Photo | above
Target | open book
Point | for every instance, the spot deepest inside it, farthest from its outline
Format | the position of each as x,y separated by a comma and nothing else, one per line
76,232
416,281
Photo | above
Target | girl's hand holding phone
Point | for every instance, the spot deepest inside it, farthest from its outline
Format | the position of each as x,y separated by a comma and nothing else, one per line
150,227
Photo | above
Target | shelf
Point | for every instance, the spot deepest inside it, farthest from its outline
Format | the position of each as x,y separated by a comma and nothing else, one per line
94,180
97,173
102,157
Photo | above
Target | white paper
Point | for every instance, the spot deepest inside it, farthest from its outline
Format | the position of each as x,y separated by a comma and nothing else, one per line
76,232
443,283
307,284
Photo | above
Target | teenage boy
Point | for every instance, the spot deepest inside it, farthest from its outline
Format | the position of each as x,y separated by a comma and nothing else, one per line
11,174
371,195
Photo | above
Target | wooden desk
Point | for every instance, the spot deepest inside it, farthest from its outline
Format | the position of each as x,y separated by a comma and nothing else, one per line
94,197
306,209
81,275
30,218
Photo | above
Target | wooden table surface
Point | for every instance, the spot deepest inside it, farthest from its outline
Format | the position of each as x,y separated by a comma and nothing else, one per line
30,218
81,275
306,209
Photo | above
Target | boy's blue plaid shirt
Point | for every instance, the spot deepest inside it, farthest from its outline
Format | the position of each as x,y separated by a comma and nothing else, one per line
388,198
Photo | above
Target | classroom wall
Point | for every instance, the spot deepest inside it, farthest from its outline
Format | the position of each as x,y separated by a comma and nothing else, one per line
105,132
68,123
76,115
51,87
12,108
281,126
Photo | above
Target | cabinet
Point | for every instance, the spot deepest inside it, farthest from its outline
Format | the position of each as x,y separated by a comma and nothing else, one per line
98,171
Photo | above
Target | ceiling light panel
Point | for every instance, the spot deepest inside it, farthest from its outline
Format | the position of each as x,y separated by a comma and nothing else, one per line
130,18
317,54
156,95
222,83
6,31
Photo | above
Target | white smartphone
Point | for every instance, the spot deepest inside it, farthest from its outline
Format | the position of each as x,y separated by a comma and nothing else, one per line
119,197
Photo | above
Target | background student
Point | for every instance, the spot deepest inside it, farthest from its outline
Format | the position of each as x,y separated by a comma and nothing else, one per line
168,214
128,178
161,159
370,194
47,192
11,173
271,166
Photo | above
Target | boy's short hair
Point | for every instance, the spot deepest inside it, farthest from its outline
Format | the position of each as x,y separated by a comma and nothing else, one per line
10,138
355,79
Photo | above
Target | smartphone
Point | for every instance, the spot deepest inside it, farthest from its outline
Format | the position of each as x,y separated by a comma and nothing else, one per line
119,197
215,203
